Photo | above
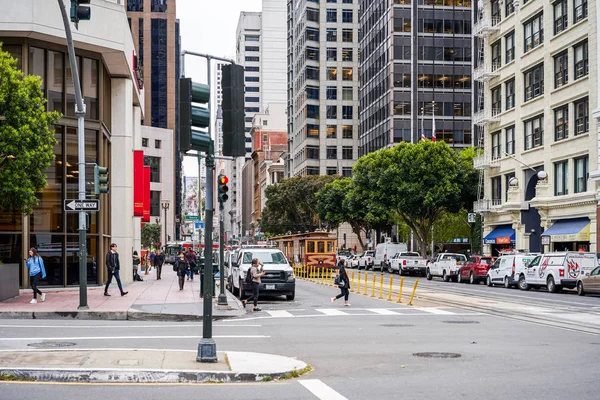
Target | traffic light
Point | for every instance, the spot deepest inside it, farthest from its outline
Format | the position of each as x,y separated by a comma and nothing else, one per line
80,12
234,141
222,188
192,117
100,179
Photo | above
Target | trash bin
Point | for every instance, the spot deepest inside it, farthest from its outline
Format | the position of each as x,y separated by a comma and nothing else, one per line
215,269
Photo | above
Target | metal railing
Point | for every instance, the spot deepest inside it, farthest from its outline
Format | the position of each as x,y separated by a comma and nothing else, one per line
486,205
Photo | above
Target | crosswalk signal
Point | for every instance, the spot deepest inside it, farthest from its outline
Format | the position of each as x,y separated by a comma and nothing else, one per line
222,188
80,12
100,179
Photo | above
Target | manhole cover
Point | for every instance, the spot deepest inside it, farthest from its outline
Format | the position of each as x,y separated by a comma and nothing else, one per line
397,325
51,345
460,322
437,355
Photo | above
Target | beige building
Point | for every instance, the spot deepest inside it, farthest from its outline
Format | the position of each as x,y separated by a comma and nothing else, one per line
537,69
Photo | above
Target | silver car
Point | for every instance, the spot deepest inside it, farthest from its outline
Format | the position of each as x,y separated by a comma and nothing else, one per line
590,283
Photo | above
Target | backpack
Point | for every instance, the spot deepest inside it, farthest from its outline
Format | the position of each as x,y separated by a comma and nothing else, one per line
249,276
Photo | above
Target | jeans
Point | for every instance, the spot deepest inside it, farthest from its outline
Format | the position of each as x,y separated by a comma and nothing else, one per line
190,273
114,273
33,281
255,293
181,281
158,271
344,293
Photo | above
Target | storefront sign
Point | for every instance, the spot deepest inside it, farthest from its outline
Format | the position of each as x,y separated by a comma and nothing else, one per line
582,236
503,240
138,183
146,216
545,239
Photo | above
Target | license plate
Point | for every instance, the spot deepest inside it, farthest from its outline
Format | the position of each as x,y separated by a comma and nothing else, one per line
270,287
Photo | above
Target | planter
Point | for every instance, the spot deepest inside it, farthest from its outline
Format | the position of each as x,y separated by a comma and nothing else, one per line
9,281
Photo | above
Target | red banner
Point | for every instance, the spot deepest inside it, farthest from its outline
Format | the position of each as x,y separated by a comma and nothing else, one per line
146,217
138,183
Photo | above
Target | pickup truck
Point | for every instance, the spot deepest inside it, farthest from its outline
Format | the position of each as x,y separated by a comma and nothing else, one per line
407,262
446,265
366,259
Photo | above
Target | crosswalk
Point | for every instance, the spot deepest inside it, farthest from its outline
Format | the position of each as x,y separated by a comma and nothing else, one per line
351,311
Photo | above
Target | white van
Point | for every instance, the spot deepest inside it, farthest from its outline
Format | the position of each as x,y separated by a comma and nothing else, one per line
507,269
557,270
384,252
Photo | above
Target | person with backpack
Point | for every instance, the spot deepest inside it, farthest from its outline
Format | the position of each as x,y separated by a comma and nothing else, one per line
253,277
37,271
342,281
190,257
181,266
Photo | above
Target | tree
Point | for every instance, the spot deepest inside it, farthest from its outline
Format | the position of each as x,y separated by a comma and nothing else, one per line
150,235
26,137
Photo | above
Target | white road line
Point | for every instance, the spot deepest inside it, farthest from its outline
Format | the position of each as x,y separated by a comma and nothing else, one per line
321,390
126,326
280,314
331,311
132,337
383,311
436,311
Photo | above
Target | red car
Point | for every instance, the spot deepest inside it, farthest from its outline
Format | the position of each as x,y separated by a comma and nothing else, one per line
475,269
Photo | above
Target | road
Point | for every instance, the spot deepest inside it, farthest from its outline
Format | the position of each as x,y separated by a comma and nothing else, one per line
365,351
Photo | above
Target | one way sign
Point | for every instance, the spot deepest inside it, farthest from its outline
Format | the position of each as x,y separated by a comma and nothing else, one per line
82,205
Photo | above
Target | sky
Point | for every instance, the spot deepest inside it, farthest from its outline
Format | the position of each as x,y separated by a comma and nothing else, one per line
208,27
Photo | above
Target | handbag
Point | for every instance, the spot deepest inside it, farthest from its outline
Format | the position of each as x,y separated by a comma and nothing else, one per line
339,281
175,267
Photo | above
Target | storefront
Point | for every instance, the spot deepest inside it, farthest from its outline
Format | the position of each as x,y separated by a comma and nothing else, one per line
501,240
571,234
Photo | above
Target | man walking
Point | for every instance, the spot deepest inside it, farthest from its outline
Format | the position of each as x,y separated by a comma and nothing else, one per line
159,260
190,258
113,266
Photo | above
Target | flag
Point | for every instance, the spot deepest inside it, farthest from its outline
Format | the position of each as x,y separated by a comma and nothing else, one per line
433,125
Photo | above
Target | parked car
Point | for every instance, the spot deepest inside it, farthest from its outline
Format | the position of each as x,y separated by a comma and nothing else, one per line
446,265
557,270
353,263
589,283
507,269
475,269
343,255
384,252
408,262
366,259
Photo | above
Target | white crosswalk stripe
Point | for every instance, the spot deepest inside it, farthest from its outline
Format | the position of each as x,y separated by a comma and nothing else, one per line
436,311
383,311
279,314
331,311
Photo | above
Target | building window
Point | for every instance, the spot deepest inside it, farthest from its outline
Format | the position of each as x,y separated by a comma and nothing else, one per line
154,164
510,94
347,16
509,134
534,32
507,178
347,36
580,10
496,147
509,42
347,93
347,74
331,74
312,53
497,189
534,132
312,34
331,15
331,112
581,59
347,112
252,99
560,16
347,171
312,170
347,54
509,7
157,144
331,93
332,152
140,41
312,73
497,100
158,6
312,14
347,132
154,203
253,89
312,152
331,34
582,116
252,38
561,69
252,78
561,178
331,54
312,130
312,111
312,92
252,59
159,78
331,131
331,170
534,82
252,69
252,48
347,152
561,123
144,142
135,5
581,174
252,109
496,55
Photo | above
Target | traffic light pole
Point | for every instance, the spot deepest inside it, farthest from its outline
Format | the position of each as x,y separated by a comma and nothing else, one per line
222,301
80,113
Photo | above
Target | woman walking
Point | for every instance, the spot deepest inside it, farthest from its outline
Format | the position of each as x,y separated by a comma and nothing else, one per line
37,271
343,282
181,266
136,264
256,271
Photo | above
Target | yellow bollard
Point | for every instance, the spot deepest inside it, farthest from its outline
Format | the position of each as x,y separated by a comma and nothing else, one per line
413,292
331,277
311,273
381,286
400,291
358,286
352,284
390,290
373,285
323,272
366,283
320,276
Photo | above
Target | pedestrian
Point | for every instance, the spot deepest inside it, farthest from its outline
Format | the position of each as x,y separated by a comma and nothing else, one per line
343,283
181,266
37,271
152,257
159,260
256,271
113,266
190,257
136,264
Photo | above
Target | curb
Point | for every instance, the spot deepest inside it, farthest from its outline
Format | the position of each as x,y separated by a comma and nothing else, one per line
108,315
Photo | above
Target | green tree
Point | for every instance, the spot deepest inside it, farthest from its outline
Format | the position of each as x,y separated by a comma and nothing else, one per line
26,137
150,235
450,226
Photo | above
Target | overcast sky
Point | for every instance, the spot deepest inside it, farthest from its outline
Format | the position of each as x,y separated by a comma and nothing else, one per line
208,26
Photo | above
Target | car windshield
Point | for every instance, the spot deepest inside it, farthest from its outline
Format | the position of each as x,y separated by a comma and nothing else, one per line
264,257
410,254
486,261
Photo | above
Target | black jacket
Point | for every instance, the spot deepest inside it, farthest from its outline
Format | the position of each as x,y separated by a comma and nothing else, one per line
344,276
112,261
159,260
182,266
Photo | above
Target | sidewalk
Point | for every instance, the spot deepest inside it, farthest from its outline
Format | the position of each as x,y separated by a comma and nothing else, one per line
157,300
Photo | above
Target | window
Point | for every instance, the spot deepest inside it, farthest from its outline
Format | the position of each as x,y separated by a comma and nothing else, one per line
331,34
347,112
331,170
331,131
158,6
507,178
534,132
331,54
332,152
312,73
347,152
496,100
312,53
331,112
581,174
252,48
346,74
252,38
347,171
509,7
331,93
347,132
347,16
347,36
560,16
135,5
581,59
312,152
582,116
251,89
312,111
252,100
496,55
347,1
312,14
496,147
331,15
561,69
534,32
252,59
251,79
510,94
509,42
509,134
312,130
497,189
347,54
496,11
561,178
312,34
347,93
534,82
580,10
331,74
144,142
154,164
159,80
252,109
157,144
312,92
252,69
312,170
154,203
561,123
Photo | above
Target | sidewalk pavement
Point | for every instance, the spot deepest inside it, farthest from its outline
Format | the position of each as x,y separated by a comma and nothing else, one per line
151,299
143,365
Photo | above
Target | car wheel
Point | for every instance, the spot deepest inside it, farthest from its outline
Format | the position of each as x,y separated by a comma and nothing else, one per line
523,283
488,281
445,277
459,278
428,275
551,285
506,282
290,297
241,290
471,278
390,270
580,290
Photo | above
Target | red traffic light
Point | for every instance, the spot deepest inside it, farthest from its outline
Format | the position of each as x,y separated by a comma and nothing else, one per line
223,180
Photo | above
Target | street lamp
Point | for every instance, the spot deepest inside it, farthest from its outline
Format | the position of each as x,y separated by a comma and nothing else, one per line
165,206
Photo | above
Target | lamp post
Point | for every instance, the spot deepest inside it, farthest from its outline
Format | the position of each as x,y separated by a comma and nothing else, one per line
165,206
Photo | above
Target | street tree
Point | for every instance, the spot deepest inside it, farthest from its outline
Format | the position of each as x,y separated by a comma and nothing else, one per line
26,138
150,235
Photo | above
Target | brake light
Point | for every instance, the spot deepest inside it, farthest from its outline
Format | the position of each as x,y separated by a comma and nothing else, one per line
561,272
513,268
403,262
384,257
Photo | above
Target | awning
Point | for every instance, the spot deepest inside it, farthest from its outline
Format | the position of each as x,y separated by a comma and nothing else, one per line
570,230
502,234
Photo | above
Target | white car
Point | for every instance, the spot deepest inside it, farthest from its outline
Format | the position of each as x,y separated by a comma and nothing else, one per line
366,259
507,269
407,262
446,265
353,262
557,270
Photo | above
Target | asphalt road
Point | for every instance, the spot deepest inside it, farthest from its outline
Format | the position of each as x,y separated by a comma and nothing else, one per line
367,351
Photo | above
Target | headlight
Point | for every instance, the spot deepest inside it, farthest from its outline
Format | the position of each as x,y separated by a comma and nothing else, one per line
290,275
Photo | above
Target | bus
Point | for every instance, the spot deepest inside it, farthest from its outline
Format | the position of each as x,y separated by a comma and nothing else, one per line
311,248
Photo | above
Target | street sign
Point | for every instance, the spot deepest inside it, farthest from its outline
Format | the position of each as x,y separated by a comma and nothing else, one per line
82,205
471,217
192,218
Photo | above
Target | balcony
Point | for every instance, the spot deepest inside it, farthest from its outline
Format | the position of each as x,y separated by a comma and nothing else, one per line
485,161
486,205
486,71
487,117
486,26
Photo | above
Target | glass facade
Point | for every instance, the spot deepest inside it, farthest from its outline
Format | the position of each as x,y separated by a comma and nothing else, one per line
159,73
